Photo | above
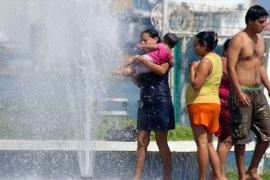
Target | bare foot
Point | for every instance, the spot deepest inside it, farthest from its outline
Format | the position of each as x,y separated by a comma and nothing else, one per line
212,176
253,177
224,178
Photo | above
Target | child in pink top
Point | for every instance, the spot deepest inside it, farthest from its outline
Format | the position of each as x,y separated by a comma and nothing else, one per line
160,55
157,53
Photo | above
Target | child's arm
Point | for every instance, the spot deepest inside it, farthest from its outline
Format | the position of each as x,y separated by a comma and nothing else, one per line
148,46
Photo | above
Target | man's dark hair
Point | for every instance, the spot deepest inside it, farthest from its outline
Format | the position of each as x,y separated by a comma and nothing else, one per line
255,12
170,39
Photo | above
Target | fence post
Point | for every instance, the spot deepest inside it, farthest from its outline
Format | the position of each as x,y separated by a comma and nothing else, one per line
177,85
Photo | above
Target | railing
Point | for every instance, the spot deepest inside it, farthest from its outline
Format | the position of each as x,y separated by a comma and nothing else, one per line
123,112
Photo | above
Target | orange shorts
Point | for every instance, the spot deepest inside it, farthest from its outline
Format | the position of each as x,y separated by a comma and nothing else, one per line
206,114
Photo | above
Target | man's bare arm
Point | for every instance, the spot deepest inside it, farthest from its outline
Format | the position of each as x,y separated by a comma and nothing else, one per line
264,77
233,55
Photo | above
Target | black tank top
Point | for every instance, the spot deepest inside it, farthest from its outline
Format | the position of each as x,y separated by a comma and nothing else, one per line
152,84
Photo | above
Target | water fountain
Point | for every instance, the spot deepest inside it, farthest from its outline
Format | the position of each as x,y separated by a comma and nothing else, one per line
55,57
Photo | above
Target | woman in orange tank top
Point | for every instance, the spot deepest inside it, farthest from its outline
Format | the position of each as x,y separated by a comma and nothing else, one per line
203,101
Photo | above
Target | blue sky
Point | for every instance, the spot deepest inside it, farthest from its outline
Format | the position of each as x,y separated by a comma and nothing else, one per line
264,3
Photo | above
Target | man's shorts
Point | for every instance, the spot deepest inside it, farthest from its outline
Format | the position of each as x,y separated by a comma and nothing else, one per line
206,114
255,117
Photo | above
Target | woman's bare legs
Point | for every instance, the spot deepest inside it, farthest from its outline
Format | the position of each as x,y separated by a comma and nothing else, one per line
143,141
205,151
165,153
213,156
200,137
223,149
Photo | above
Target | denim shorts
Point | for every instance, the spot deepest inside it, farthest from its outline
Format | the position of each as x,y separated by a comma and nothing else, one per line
155,114
255,117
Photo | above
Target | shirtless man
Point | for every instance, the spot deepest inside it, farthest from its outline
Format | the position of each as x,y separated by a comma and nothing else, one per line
249,108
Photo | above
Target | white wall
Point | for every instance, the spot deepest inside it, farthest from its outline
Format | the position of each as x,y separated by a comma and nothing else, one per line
224,3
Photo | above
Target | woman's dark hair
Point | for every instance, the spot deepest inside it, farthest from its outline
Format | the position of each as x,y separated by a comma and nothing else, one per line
208,38
226,45
170,39
152,33
255,12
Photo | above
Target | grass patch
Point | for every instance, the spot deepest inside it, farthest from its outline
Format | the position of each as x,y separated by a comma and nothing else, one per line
113,123
232,174
180,133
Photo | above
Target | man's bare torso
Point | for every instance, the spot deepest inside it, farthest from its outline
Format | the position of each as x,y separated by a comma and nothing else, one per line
250,59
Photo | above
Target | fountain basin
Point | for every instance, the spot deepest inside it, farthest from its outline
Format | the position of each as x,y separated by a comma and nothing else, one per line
58,160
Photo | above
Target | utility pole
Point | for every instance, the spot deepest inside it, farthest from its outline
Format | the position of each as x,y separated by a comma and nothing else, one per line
164,17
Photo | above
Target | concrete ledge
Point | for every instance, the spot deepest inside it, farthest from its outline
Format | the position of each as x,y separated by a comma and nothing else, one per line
121,100
114,113
76,145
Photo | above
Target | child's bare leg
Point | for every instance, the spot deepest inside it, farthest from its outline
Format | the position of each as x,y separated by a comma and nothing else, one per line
126,69
223,149
129,61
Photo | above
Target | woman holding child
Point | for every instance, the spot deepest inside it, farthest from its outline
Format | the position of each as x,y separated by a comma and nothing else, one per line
155,111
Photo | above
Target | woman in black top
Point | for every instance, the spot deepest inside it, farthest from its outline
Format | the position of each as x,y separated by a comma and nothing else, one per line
155,111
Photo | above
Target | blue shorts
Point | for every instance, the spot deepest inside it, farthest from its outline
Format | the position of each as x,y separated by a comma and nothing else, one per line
155,114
